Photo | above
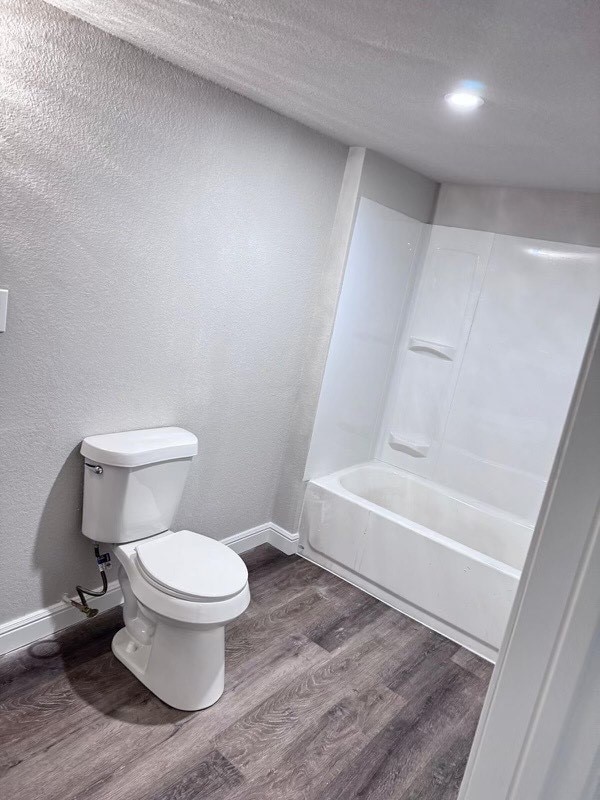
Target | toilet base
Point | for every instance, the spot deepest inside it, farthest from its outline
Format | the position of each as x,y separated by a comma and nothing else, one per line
184,666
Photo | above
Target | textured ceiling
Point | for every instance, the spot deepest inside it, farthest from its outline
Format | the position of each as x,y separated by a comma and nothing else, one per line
374,72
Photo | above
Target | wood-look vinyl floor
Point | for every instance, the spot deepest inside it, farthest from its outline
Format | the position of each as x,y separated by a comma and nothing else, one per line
330,695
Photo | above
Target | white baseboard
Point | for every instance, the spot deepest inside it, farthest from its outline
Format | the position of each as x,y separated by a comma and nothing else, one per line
270,533
246,540
40,624
283,540
46,621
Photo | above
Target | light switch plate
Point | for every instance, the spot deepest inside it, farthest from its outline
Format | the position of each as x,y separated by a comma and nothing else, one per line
3,307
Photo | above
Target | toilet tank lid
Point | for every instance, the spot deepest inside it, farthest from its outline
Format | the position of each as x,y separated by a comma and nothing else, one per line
137,448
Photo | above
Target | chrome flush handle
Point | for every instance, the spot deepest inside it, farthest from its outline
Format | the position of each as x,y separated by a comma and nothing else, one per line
95,467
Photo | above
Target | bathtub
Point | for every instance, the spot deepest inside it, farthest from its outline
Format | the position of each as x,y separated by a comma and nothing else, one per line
446,560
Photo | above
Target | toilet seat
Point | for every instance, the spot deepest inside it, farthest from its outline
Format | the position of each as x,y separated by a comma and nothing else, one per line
186,608
191,567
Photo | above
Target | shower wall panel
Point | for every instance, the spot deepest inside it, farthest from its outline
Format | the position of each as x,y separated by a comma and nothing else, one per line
488,362
380,270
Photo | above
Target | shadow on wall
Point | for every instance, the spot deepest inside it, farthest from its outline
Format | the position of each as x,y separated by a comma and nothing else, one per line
59,542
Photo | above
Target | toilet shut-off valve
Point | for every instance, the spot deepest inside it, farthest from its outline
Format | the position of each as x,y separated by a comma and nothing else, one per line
103,562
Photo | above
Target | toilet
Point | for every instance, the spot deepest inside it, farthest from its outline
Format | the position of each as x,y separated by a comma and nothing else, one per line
180,588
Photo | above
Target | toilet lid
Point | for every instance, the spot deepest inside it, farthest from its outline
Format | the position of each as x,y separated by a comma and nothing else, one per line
192,566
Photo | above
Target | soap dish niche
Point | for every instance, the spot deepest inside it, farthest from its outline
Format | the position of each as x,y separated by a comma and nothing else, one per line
444,351
411,448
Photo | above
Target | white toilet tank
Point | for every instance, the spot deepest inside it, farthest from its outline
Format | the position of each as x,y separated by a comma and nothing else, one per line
134,481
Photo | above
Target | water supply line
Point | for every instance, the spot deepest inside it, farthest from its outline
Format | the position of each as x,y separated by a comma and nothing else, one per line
83,606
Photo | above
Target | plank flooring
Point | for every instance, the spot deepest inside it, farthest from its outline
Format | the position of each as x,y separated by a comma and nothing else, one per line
330,695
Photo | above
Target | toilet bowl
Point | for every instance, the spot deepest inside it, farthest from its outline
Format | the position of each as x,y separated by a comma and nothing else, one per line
180,588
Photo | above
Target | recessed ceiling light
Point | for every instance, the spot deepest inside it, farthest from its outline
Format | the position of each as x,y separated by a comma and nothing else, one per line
464,101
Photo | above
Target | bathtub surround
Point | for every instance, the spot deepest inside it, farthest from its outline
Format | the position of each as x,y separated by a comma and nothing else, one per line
163,241
514,315
486,360
346,436
380,270
486,357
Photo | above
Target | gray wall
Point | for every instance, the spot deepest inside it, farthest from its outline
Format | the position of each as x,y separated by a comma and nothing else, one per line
398,187
162,239
572,217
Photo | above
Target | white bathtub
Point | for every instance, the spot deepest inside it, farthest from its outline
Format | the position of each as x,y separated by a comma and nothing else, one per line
446,560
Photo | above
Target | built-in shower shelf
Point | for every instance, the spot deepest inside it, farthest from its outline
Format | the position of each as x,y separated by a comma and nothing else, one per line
414,449
443,351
